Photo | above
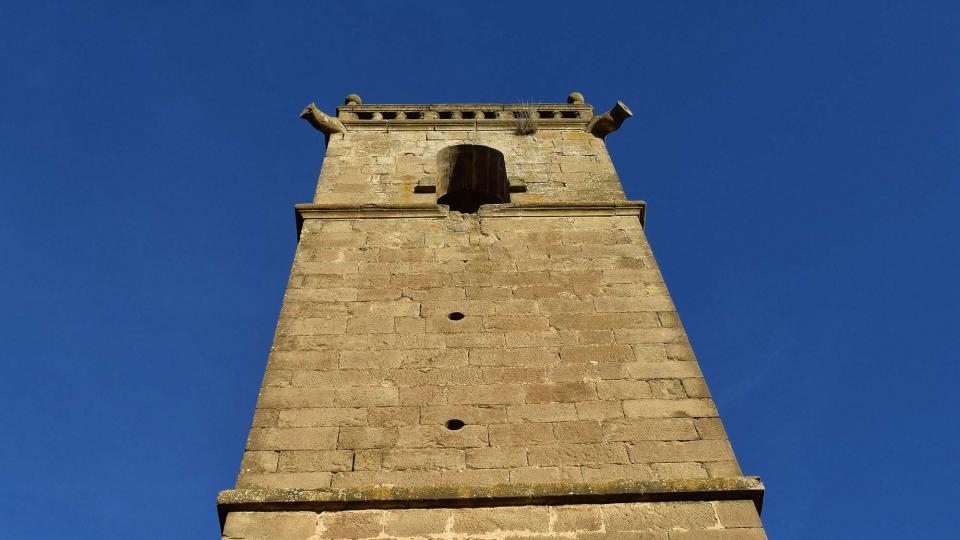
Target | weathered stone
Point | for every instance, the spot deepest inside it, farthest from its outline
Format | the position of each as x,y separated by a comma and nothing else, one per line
521,340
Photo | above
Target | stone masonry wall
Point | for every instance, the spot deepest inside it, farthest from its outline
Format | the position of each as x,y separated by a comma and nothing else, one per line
719,520
569,365
381,167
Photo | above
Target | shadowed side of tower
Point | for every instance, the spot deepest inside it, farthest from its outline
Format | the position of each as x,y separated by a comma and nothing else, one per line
476,342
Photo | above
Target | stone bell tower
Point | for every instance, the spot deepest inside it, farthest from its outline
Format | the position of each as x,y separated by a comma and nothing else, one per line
476,342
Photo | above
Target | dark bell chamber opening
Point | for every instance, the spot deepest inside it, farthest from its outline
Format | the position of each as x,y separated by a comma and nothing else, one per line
477,176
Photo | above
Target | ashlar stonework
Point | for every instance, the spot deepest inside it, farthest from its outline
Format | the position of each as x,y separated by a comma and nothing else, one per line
514,370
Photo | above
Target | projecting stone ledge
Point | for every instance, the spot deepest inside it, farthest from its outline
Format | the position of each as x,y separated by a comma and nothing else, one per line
433,210
388,497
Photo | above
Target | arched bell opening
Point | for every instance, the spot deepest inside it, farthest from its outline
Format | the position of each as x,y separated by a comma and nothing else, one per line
472,175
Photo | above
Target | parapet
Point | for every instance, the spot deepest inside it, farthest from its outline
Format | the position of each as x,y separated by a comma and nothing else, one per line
480,116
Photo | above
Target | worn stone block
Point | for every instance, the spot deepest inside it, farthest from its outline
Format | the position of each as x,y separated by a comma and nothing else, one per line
677,451
504,457
315,460
261,525
660,516
656,408
292,438
368,437
736,514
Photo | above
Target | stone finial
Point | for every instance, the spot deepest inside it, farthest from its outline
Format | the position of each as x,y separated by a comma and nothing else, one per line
322,122
610,121
352,99
575,97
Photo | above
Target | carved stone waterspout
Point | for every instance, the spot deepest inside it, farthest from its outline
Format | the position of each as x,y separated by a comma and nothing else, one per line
322,122
610,121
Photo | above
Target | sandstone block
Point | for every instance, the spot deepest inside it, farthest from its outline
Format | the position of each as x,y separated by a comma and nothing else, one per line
578,432
559,392
487,520
650,429
722,534
263,525
735,514
492,394
504,457
259,461
577,454
662,370
577,518
377,396
514,357
315,460
616,321
679,451
368,437
423,458
623,389
667,516
284,480
351,524
393,416
696,388
292,438
599,410
440,436
542,412
544,475
597,353
616,471
281,398
471,415
520,434
671,471
415,522
710,428
657,408
723,469
326,416
639,303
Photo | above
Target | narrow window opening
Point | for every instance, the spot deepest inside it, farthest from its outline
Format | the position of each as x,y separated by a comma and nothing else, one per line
456,316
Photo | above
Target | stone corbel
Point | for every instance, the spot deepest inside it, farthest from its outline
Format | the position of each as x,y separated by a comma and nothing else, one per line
610,121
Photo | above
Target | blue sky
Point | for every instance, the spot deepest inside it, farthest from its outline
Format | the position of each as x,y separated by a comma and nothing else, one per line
800,160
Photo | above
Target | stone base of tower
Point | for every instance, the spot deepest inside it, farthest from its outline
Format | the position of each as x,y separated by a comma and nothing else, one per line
726,509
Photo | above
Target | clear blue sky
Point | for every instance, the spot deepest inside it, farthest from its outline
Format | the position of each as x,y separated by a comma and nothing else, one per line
800,160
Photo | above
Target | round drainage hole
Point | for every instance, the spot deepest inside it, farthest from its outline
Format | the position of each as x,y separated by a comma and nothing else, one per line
455,316
454,424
